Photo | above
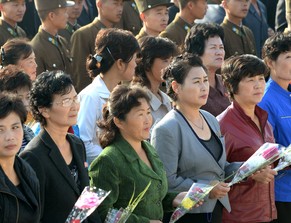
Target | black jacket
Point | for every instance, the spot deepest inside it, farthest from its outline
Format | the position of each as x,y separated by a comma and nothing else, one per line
59,192
13,205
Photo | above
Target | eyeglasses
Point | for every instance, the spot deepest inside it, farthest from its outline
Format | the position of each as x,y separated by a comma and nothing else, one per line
67,102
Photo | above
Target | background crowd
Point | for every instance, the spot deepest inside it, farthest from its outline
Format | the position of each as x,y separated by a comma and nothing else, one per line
116,94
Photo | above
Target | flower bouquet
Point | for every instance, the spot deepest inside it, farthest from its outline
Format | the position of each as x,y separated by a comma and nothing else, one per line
89,200
265,155
195,194
285,160
121,215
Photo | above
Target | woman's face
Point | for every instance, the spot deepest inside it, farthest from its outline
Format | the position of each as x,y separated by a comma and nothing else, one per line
29,66
64,110
195,89
250,90
137,124
213,55
157,68
11,135
129,69
281,68
23,93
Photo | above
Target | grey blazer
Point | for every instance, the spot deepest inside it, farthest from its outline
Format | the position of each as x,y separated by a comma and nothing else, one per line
186,160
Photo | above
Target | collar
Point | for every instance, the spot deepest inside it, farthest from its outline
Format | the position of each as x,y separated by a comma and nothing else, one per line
52,39
260,113
234,28
133,5
181,22
219,85
12,30
96,22
101,87
72,28
155,103
276,87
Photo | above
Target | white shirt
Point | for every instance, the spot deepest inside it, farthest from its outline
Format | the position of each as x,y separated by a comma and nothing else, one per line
92,100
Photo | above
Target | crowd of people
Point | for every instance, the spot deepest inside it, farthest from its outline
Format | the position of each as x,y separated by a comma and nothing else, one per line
121,94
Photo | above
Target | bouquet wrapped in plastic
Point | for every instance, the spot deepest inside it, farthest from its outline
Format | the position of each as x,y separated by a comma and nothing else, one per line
89,200
285,159
121,215
195,194
265,155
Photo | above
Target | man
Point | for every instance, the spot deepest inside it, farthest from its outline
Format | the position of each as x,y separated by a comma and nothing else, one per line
155,16
238,39
83,40
51,50
12,12
189,11
73,14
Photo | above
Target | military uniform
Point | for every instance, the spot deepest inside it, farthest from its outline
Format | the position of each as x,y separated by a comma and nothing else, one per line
8,32
68,31
142,33
51,52
237,40
130,19
83,44
177,31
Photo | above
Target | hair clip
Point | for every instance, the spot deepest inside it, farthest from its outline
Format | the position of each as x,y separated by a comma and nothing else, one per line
2,55
110,53
98,59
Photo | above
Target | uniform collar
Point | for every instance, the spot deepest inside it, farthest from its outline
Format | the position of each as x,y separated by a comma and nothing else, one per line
101,87
155,103
96,22
12,30
234,28
278,88
52,39
181,22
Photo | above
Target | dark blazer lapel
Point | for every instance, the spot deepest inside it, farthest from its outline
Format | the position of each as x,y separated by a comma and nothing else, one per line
79,155
58,160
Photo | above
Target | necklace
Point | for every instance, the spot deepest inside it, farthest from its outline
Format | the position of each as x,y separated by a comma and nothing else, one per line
199,127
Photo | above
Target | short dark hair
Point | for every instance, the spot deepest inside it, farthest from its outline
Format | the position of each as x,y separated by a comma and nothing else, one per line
13,79
183,3
43,14
275,45
151,48
199,33
122,99
111,44
46,85
14,50
179,69
236,68
11,103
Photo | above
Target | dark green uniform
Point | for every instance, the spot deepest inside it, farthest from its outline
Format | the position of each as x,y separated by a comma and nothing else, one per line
83,44
177,31
130,19
8,32
237,40
51,52
68,31
142,33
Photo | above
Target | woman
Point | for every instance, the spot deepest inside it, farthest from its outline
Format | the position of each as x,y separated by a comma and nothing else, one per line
113,62
276,101
15,81
155,55
19,194
57,157
128,162
205,40
19,52
189,142
245,128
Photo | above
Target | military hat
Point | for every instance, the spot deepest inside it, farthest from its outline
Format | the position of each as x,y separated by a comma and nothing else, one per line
42,5
144,5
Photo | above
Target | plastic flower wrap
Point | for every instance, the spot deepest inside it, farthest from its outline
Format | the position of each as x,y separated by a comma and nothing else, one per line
121,215
285,160
195,194
265,155
89,200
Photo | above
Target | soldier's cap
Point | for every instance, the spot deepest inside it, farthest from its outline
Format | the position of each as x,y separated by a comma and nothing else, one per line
42,5
143,5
